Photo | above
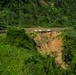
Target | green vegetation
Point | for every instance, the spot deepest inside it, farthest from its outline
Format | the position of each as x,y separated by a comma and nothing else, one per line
18,55
32,13
69,52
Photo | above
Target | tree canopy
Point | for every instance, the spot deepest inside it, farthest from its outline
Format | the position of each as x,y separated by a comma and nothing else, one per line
45,13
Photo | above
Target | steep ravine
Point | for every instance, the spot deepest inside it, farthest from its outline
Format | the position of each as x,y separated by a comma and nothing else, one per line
50,43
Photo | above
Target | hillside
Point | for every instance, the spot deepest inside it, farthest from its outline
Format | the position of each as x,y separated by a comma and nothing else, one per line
37,37
32,13
40,54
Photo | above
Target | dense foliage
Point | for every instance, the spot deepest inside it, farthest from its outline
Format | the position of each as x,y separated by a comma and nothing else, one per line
29,13
69,52
19,38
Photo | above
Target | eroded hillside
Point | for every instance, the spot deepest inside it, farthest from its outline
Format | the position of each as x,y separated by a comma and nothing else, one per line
51,43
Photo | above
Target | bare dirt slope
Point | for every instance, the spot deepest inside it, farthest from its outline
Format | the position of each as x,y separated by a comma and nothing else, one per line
50,43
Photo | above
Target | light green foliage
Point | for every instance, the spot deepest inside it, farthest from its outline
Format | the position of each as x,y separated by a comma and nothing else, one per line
12,59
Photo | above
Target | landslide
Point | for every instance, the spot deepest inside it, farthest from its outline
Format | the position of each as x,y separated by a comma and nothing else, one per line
51,43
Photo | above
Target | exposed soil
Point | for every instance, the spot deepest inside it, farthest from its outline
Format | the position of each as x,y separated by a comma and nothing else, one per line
50,43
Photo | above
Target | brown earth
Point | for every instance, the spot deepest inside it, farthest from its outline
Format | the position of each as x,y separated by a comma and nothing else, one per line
51,43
